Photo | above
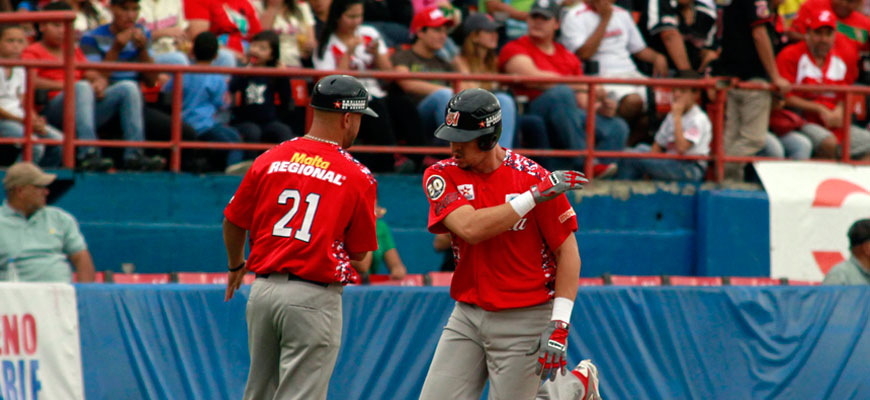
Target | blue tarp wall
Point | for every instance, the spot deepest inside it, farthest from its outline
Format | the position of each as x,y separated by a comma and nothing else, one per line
184,342
171,222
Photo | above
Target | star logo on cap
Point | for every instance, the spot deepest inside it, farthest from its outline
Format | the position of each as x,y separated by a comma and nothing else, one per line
825,16
337,104
482,124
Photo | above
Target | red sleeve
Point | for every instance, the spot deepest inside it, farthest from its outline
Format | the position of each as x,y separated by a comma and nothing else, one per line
786,62
443,198
196,9
849,53
509,50
31,52
361,234
556,220
240,210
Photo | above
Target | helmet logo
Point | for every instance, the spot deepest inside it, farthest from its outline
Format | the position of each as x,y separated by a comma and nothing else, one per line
452,118
337,104
492,119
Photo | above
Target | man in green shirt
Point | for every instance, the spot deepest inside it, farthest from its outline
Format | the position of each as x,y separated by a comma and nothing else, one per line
38,242
386,256
855,270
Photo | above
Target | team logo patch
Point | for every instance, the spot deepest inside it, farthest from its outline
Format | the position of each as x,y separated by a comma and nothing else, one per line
567,214
435,187
467,191
452,118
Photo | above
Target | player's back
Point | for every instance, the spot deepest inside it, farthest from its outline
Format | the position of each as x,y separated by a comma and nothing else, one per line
309,203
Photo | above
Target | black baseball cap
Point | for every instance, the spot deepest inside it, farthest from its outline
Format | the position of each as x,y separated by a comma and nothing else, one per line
479,22
341,93
859,233
547,8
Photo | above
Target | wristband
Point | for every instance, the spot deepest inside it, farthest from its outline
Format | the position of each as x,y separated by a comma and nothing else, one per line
242,265
523,203
562,308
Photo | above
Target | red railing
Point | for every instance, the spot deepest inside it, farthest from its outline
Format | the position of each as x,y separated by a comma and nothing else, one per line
716,110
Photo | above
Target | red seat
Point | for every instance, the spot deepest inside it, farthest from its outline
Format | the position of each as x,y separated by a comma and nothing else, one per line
300,92
803,283
696,281
753,281
633,280
440,278
140,278
591,281
373,278
202,278
410,280
100,277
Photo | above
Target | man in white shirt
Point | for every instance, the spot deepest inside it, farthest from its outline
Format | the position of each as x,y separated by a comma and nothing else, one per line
597,30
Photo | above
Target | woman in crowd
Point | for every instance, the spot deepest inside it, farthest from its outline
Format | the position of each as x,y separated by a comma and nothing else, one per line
293,21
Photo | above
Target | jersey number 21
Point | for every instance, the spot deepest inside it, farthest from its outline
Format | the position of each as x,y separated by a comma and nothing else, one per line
304,232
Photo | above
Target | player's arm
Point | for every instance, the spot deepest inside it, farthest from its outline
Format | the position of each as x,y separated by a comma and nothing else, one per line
567,273
234,241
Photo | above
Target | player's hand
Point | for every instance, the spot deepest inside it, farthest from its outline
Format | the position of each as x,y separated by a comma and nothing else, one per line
552,350
556,183
234,282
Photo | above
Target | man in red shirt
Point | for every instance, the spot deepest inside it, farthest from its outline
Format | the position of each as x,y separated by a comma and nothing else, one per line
821,59
513,238
232,21
308,208
853,25
561,106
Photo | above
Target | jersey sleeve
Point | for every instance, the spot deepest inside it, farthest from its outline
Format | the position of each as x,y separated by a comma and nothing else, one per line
694,129
507,52
196,9
73,240
662,15
756,12
556,220
635,39
240,210
361,235
443,197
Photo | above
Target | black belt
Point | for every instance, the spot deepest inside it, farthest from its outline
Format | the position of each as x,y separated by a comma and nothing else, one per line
291,277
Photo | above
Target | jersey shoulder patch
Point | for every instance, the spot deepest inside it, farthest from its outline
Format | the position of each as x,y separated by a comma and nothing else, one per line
362,168
522,164
435,186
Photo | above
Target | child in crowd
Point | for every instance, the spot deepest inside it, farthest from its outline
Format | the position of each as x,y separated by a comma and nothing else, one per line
257,117
204,95
13,39
686,130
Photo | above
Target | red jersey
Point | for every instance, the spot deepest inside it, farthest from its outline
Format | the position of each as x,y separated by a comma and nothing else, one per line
516,268
854,27
796,64
37,51
562,61
306,204
233,21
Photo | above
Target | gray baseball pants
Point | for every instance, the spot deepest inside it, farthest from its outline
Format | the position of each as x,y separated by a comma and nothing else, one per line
478,344
294,332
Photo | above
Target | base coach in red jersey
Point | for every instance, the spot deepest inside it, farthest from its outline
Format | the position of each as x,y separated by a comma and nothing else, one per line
308,208
517,263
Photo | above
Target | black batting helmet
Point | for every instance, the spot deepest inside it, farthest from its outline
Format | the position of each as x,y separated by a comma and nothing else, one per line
472,114
341,93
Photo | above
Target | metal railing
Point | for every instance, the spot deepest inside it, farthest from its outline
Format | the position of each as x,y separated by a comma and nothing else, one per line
716,108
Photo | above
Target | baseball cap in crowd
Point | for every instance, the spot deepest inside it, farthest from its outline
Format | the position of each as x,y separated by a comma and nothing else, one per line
431,17
546,8
479,22
859,233
823,18
26,173
341,93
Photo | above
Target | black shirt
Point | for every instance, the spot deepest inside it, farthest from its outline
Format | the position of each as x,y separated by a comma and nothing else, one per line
258,98
739,56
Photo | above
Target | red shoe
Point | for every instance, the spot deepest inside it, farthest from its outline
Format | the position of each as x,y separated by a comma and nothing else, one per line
604,171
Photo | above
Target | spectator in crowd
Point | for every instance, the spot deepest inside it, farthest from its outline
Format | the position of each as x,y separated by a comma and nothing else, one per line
386,256
257,118
561,106
597,30
512,13
96,101
479,56
165,21
232,21
685,131
12,82
785,139
293,21
346,44
659,22
854,26
204,95
89,15
430,30
392,18
38,242
821,59
747,112
855,270
696,23
320,9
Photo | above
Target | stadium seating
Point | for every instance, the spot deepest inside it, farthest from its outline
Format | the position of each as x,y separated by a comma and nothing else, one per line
207,278
137,278
693,281
591,281
410,280
751,281
440,278
624,280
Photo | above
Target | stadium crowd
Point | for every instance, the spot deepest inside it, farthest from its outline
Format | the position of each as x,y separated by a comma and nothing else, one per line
783,42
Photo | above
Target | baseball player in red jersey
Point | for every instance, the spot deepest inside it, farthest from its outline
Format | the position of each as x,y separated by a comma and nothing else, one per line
309,209
512,230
